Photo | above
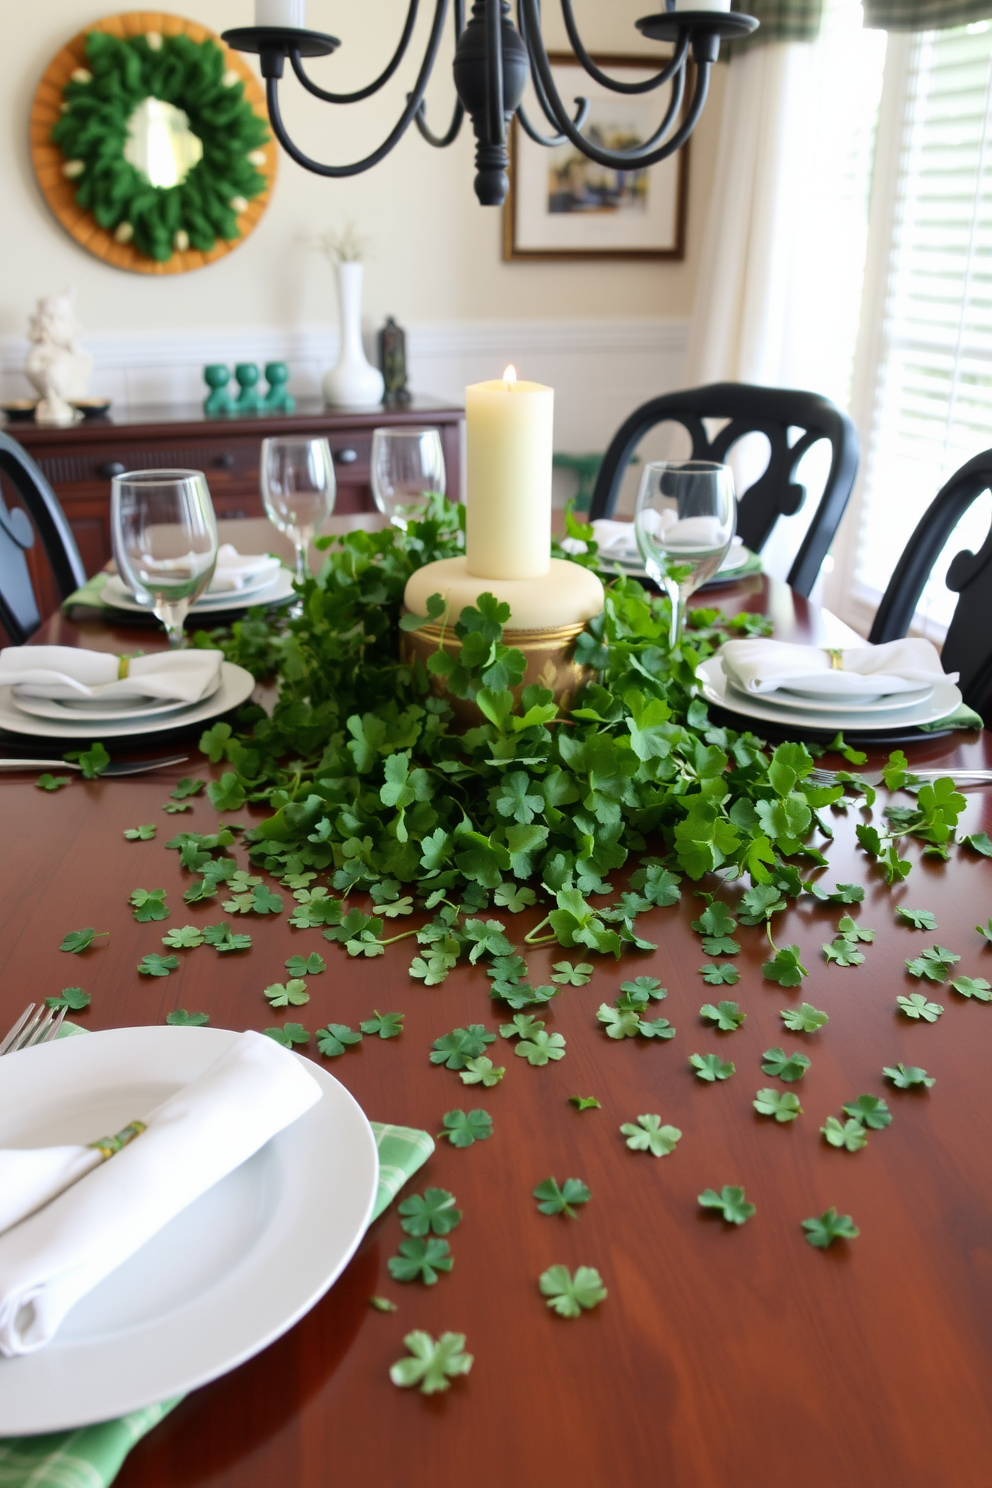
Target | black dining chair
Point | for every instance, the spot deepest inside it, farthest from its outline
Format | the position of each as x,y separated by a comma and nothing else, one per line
41,513
967,648
773,412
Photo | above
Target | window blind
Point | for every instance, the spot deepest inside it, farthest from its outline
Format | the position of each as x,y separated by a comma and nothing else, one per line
933,396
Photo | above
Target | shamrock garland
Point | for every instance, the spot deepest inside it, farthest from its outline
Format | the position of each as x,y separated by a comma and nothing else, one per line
93,130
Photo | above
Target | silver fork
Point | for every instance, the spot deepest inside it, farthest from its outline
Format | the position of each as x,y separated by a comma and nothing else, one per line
32,1028
875,777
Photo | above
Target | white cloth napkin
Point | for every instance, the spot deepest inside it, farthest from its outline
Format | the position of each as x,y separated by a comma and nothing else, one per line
194,1139
32,1177
237,570
71,674
761,666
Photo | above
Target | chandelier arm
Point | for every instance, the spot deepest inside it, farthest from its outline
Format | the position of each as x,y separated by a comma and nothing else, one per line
614,84
413,103
442,141
582,104
612,159
551,140
371,88
494,72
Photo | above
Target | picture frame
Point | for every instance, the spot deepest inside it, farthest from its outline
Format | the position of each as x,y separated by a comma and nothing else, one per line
563,206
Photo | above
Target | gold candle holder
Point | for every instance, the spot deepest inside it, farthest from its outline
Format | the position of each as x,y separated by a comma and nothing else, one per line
549,654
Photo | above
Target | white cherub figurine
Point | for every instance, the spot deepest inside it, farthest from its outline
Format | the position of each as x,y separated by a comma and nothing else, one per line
55,365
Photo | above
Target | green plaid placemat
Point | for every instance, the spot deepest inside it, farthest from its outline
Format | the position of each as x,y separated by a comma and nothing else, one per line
92,1456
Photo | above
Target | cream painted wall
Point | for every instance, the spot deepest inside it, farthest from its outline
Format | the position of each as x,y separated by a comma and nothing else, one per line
436,253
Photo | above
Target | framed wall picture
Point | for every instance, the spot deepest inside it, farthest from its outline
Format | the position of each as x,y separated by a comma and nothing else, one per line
561,205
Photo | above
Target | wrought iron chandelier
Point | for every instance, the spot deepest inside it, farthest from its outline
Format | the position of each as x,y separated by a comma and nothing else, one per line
493,59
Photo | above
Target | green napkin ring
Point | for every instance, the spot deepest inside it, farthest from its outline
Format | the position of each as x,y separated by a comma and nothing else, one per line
123,667
836,658
107,1146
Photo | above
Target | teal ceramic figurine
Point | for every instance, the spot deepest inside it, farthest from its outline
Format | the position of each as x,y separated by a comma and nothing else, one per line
218,401
392,363
278,399
249,398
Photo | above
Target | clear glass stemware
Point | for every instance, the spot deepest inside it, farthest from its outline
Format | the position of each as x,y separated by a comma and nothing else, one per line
407,468
164,537
298,489
685,518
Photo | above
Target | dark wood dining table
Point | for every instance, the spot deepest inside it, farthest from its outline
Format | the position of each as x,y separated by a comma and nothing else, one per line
723,1355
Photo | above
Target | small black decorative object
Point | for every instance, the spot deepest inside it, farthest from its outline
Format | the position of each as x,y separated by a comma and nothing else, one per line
392,363
493,59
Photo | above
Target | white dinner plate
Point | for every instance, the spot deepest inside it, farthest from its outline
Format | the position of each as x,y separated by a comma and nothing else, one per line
716,689
224,1278
790,702
236,687
737,556
96,710
279,587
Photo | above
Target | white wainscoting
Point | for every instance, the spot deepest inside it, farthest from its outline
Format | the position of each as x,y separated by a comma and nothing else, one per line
600,369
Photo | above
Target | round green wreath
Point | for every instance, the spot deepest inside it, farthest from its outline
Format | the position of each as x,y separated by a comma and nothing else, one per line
92,132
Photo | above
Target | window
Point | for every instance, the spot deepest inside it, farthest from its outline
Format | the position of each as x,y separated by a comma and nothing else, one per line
922,393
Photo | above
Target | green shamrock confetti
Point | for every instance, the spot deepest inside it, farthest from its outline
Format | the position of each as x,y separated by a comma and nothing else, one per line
905,1076
386,1025
80,940
782,1104
850,1135
156,965
287,994
432,1212
730,1202
49,782
830,1226
569,1296
568,975
724,975
335,1039
288,1035
421,1260
183,938
553,1199
916,1006
481,1071
140,834
433,1365
180,1018
803,1019
650,1136
784,1066
585,1102
726,1015
711,1067
462,1128
73,998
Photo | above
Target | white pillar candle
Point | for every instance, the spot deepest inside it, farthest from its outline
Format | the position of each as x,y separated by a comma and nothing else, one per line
281,13
509,434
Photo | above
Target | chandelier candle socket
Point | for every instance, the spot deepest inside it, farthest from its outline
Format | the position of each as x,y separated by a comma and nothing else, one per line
281,13
509,438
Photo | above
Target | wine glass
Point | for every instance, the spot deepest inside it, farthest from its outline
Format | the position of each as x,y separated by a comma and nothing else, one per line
684,521
298,489
164,537
407,467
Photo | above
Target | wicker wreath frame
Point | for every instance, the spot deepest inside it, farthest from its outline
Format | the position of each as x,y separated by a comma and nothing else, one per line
59,190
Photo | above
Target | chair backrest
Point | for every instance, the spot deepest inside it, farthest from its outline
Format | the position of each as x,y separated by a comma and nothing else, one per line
968,646
19,614
776,493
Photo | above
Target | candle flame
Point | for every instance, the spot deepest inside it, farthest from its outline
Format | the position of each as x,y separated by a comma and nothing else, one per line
510,376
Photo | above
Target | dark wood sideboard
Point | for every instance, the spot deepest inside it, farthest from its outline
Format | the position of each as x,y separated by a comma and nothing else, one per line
80,462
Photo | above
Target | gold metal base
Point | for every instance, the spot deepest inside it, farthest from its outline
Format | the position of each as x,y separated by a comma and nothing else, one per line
550,657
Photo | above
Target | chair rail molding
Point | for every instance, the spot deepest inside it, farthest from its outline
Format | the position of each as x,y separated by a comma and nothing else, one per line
600,369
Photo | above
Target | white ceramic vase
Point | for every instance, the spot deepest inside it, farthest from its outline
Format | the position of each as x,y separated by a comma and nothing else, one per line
353,382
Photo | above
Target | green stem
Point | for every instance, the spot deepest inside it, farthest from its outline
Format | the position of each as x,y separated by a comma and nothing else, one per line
768,932
530,937
405,935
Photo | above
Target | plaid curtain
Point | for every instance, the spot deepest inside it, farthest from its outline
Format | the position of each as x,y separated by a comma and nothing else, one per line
924,15
783,20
